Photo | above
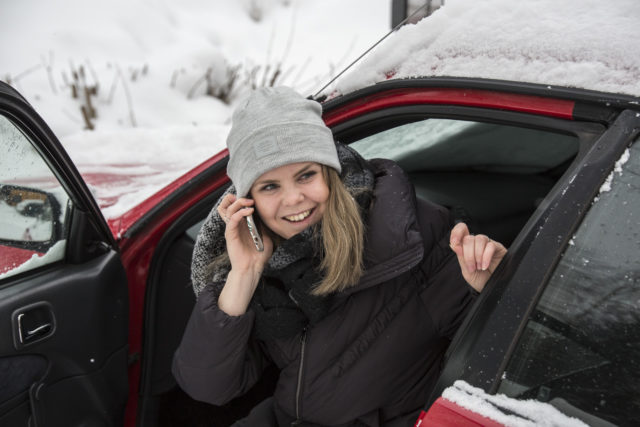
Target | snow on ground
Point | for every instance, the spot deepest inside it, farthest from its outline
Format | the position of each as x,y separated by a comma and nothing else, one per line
577,43
149,60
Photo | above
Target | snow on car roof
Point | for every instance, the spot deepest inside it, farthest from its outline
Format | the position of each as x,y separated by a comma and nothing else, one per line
587,44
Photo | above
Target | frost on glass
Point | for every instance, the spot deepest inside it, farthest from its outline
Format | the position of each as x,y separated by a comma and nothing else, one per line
582,343
32,205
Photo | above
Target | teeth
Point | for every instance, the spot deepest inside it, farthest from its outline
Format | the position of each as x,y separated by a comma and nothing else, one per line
298,217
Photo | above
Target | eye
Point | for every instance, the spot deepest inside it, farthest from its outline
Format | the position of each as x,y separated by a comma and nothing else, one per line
268,187
307,176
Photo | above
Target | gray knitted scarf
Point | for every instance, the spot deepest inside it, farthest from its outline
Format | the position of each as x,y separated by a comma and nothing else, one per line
210,243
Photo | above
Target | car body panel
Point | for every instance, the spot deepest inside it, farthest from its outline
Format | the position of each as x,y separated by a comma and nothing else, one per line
138,246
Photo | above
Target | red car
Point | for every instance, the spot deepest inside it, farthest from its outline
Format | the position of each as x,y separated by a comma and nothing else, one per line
89,325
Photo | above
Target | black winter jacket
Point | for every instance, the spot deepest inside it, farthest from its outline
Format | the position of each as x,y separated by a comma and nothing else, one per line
376,355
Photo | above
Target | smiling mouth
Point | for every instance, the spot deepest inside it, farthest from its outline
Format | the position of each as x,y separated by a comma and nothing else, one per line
299,217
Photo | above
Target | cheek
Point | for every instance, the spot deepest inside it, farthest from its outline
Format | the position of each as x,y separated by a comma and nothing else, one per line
262,207
323,194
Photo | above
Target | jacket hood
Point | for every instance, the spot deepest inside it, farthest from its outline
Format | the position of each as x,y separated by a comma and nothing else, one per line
393,243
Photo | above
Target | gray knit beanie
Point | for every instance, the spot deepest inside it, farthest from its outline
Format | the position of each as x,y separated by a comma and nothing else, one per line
274,127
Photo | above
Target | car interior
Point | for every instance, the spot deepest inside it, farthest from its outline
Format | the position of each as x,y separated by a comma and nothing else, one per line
489,174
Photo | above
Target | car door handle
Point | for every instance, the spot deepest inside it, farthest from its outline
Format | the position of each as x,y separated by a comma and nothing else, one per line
26,335
33,323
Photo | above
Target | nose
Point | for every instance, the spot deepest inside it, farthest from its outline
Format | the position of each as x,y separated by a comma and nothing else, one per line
292,196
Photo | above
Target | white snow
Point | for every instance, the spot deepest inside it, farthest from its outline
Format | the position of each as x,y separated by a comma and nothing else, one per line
141,161
606,186
525,413
577,43
55,253
148,59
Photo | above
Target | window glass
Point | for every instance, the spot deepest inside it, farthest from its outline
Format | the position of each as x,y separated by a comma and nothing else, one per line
580,350
443,144
33,206
491,176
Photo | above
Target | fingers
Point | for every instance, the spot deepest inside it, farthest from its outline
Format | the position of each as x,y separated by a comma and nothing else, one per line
474,251
488,254
233,209
469,253
224,206
458,233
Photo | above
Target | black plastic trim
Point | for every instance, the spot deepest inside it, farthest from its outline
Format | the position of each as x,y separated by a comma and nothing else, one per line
373,122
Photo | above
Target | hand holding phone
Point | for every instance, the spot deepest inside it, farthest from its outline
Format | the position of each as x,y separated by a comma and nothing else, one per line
253,231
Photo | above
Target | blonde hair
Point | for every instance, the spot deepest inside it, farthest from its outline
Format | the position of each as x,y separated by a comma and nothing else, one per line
342,238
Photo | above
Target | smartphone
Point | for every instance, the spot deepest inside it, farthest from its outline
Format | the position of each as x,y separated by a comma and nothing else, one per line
253,230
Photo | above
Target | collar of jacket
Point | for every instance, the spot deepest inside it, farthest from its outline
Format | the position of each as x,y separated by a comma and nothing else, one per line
393,243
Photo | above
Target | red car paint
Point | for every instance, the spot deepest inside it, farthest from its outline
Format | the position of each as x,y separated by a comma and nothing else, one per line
446,413
462,97
137,252
11,257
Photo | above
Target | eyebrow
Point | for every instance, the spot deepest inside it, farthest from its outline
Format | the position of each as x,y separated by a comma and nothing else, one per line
296,174
303,170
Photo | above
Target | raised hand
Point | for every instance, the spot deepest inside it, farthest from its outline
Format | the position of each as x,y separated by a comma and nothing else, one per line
478,255
247,262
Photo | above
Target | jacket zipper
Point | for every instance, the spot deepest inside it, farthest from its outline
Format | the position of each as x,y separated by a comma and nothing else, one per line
303,341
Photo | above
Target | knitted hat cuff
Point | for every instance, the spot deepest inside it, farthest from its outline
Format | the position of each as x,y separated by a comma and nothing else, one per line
277,145
275,127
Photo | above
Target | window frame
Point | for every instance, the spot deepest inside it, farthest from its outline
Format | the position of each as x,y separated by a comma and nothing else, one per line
485,342
85,222
585,336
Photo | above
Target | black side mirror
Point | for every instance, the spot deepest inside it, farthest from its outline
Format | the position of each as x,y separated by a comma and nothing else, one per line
29,218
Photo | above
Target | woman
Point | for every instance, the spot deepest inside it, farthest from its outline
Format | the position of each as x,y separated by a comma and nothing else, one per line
356,294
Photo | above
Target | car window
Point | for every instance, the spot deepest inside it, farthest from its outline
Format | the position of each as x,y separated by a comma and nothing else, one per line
580,350
33,206
442,144
492,176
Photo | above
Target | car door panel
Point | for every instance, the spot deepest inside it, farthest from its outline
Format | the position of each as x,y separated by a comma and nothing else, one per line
63,318
85,352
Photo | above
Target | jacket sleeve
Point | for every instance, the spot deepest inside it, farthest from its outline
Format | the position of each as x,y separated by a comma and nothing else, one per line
446,295
217,359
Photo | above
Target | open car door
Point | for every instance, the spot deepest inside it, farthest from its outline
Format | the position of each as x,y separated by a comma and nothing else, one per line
63,290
